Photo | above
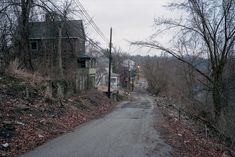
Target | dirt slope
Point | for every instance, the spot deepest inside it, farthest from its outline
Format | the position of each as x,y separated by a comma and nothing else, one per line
28,123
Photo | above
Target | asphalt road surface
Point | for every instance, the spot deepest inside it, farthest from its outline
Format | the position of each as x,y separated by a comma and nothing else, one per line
126,132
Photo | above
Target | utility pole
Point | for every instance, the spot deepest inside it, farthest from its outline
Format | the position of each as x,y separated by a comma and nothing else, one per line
110,63
129,76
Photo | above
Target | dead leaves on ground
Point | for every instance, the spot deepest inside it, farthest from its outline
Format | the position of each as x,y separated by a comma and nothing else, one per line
25,124
184,137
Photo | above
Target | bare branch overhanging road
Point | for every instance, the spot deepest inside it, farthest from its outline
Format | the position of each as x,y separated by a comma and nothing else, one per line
128,131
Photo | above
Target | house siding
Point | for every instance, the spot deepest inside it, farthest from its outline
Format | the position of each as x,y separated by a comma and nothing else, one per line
72,48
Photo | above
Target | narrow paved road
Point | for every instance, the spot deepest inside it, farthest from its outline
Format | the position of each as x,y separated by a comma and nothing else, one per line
126,132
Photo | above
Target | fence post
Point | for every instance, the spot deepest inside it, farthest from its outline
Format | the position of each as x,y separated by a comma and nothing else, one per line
26,92
206,131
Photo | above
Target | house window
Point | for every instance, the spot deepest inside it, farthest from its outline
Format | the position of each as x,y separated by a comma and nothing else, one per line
92,63
34,45
82,63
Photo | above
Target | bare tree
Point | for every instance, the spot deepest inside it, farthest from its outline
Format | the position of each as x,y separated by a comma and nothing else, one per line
118,56
213,24
21,12
101,73
4,46
62,15
18,13
155,73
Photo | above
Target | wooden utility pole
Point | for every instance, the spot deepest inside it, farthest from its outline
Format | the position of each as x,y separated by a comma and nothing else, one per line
110,63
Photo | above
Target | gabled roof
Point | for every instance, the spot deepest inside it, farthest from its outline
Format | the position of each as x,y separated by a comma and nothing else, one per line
49,29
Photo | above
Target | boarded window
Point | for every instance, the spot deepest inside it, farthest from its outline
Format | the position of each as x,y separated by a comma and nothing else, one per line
34,45
82,63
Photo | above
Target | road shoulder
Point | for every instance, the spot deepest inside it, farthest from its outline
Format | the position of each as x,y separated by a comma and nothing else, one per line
183,136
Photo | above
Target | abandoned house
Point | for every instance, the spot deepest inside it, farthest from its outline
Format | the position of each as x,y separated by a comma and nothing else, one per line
68,37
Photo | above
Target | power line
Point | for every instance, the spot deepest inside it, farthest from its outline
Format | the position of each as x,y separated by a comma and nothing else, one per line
90,20
86,37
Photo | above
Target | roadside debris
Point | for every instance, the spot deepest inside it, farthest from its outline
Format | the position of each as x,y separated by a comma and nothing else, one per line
40,136
5,145
19,123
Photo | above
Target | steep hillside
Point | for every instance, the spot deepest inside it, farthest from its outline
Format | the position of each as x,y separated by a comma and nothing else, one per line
28,119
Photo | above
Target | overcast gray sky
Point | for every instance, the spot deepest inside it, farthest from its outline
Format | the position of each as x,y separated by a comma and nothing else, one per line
132,20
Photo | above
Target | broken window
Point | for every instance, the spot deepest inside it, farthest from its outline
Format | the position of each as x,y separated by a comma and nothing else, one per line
82,63
34,45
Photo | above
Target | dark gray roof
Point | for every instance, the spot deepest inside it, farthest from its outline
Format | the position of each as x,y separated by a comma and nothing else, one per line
49,29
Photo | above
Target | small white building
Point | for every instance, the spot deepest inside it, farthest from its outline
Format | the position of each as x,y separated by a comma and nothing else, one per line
115,79
102,75
128,63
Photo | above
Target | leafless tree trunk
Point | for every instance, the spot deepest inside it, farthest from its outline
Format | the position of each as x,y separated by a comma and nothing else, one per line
59,53
23,30
63,18
213,24
20,12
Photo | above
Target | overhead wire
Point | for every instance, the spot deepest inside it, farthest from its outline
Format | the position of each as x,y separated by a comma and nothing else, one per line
86,37
90,20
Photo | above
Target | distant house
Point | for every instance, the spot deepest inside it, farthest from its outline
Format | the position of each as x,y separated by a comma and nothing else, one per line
48,36
129,64
115,81
102,75
128,74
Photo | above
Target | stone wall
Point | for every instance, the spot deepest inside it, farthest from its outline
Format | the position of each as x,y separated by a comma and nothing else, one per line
82,80
63,88
58,89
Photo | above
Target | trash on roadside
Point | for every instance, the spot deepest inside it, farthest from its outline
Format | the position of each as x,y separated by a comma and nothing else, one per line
5,145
